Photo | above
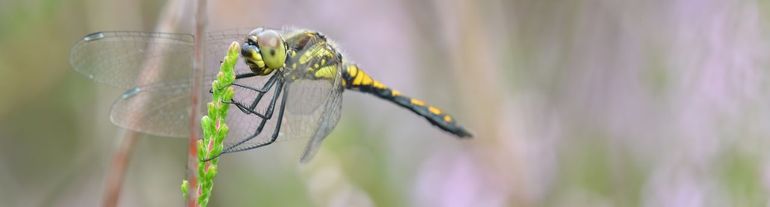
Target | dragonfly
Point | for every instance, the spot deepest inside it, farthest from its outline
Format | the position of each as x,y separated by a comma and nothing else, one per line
288,86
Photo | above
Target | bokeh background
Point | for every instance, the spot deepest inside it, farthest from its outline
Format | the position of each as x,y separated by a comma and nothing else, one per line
573,103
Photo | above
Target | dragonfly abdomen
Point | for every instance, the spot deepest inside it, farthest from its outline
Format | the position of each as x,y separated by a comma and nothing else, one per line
356,79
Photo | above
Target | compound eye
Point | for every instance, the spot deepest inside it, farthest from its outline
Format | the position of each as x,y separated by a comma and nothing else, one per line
272,48
251,39
256,31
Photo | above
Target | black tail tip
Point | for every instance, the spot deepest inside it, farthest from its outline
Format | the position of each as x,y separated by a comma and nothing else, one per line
462,133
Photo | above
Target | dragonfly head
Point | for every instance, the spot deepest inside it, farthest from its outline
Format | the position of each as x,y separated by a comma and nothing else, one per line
264,51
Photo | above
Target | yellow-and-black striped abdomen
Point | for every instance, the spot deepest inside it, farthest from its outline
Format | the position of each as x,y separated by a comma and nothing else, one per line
356,79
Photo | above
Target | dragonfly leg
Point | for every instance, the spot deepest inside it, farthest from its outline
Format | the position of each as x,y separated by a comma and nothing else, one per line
244,109
269,114
280,115
245,75
263,90
250,109
275,132
240,76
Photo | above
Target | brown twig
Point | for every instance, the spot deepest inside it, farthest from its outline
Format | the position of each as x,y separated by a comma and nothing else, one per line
118,167
198,73
120,158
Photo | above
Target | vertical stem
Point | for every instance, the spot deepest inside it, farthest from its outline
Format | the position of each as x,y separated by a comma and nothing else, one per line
121,158
197,82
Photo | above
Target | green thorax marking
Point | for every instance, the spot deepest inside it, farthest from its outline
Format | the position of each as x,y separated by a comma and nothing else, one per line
310,56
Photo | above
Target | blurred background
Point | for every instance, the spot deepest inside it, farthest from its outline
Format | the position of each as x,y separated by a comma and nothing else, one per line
572,103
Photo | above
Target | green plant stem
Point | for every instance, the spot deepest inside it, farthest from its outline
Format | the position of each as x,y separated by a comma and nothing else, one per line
214,127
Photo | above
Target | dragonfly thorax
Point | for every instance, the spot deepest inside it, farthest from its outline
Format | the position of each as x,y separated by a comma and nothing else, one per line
264,51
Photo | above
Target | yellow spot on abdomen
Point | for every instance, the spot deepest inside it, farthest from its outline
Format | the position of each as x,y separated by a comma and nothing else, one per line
359,78
434,110
395,93
417,102
352,71
447,118
367,80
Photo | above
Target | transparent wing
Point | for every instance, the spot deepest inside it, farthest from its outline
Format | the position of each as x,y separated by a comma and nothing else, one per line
312,111
328,115
128,59
163,109
155,68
